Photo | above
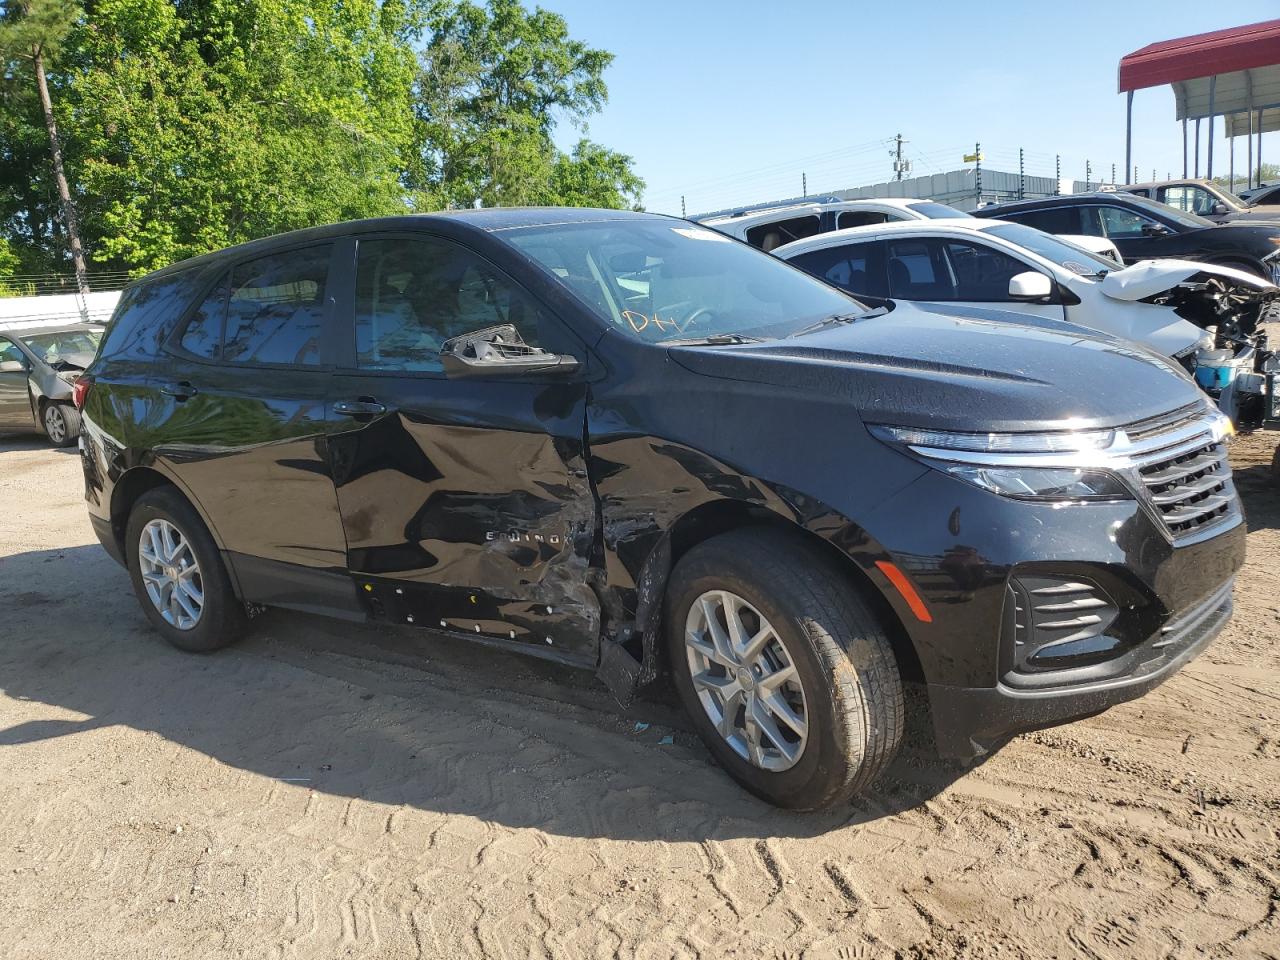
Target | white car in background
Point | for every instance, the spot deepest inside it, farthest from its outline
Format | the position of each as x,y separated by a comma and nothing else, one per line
768,228
963,266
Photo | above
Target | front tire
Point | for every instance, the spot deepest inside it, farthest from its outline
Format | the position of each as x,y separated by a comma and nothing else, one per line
788,676
178,575
61,423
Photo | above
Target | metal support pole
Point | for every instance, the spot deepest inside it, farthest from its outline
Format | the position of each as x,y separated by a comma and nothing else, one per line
1197,147
1213,84
1113,174
1231,163
1184,147
1128,133
1057,174
682,213
1088,177
1249,153
1259,145
1022,177
804,184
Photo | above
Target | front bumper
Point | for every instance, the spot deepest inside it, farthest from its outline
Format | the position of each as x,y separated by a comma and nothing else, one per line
971,721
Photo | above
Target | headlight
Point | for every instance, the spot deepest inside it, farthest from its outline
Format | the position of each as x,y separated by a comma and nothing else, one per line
1041,483
997,461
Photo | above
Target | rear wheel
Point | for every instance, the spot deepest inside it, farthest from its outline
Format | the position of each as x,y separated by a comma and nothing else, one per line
788,676
61,423
178,574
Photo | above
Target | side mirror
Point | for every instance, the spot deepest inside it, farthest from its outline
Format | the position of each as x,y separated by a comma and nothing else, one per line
1219,208
500,352
1154,230
12,366
1030,286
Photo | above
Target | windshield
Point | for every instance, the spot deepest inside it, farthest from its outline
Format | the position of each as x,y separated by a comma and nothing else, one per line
938,211
1054,249
660,280
49,347
1166,212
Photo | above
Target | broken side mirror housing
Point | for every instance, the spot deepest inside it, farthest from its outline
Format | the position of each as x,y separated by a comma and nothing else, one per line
1030,286
500,352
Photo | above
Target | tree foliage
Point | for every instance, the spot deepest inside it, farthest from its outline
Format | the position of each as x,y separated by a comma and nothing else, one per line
190,125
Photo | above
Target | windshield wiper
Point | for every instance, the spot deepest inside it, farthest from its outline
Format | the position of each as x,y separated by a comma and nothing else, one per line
836,320
714,340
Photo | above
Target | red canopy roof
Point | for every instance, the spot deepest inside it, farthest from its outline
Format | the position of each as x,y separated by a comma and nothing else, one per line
1203,55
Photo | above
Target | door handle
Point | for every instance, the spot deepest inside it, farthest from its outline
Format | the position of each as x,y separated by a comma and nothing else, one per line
179,391
359,408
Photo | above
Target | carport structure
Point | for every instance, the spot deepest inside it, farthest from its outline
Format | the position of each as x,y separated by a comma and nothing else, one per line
1234,74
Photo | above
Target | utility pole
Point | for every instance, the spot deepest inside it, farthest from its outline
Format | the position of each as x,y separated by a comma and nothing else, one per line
900,166
1022,177
977,169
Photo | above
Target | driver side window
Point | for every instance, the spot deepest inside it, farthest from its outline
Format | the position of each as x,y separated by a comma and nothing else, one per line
413,295
10,352
1120,223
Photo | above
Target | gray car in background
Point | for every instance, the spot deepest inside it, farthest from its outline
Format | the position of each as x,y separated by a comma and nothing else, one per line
38,370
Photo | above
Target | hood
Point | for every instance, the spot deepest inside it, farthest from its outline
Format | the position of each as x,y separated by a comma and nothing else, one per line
913,367
1263,211
1231,300
70,361
1149,278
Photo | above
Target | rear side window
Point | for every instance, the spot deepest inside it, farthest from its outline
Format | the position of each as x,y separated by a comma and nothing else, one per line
856,267
770,236
861,218
275,308
203,335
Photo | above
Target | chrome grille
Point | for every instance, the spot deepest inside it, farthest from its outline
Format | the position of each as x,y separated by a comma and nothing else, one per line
1189,485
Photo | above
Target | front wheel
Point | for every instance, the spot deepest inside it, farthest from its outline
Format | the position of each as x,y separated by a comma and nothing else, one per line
61,423
178,574
787,674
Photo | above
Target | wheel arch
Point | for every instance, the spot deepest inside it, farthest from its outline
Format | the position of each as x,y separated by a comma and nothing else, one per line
710,519
135,482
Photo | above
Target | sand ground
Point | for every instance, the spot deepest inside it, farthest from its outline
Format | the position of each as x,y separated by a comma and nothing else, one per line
327,791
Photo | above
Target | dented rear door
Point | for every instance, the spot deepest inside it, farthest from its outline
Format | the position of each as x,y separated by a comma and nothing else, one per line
466,503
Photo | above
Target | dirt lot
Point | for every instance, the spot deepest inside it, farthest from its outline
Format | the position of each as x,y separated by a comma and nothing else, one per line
329,791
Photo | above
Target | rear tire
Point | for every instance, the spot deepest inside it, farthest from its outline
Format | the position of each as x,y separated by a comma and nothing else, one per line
178,574
61,422
845,688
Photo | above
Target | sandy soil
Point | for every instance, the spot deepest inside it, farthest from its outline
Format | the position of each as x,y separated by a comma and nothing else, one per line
328,791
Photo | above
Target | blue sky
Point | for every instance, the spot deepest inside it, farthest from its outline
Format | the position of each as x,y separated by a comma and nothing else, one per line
728,102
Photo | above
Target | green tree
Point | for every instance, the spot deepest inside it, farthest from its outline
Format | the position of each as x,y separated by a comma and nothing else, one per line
494,82
31,32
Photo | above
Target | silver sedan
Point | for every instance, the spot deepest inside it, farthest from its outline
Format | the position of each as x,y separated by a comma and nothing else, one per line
38,370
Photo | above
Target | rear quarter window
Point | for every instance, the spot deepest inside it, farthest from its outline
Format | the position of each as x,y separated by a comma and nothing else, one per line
147,313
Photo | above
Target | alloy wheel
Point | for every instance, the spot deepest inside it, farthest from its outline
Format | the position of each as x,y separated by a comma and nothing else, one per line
55,424
171,574
746,680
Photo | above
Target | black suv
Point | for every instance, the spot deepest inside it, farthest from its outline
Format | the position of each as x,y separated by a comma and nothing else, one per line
1143,229
625,442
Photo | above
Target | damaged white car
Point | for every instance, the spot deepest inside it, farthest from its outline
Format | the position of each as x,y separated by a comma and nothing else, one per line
1206,317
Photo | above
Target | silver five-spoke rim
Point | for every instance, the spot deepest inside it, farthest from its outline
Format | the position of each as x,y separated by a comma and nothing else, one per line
55,424
746,680
171,574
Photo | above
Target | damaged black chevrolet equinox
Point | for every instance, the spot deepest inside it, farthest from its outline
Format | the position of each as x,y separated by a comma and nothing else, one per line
626,442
